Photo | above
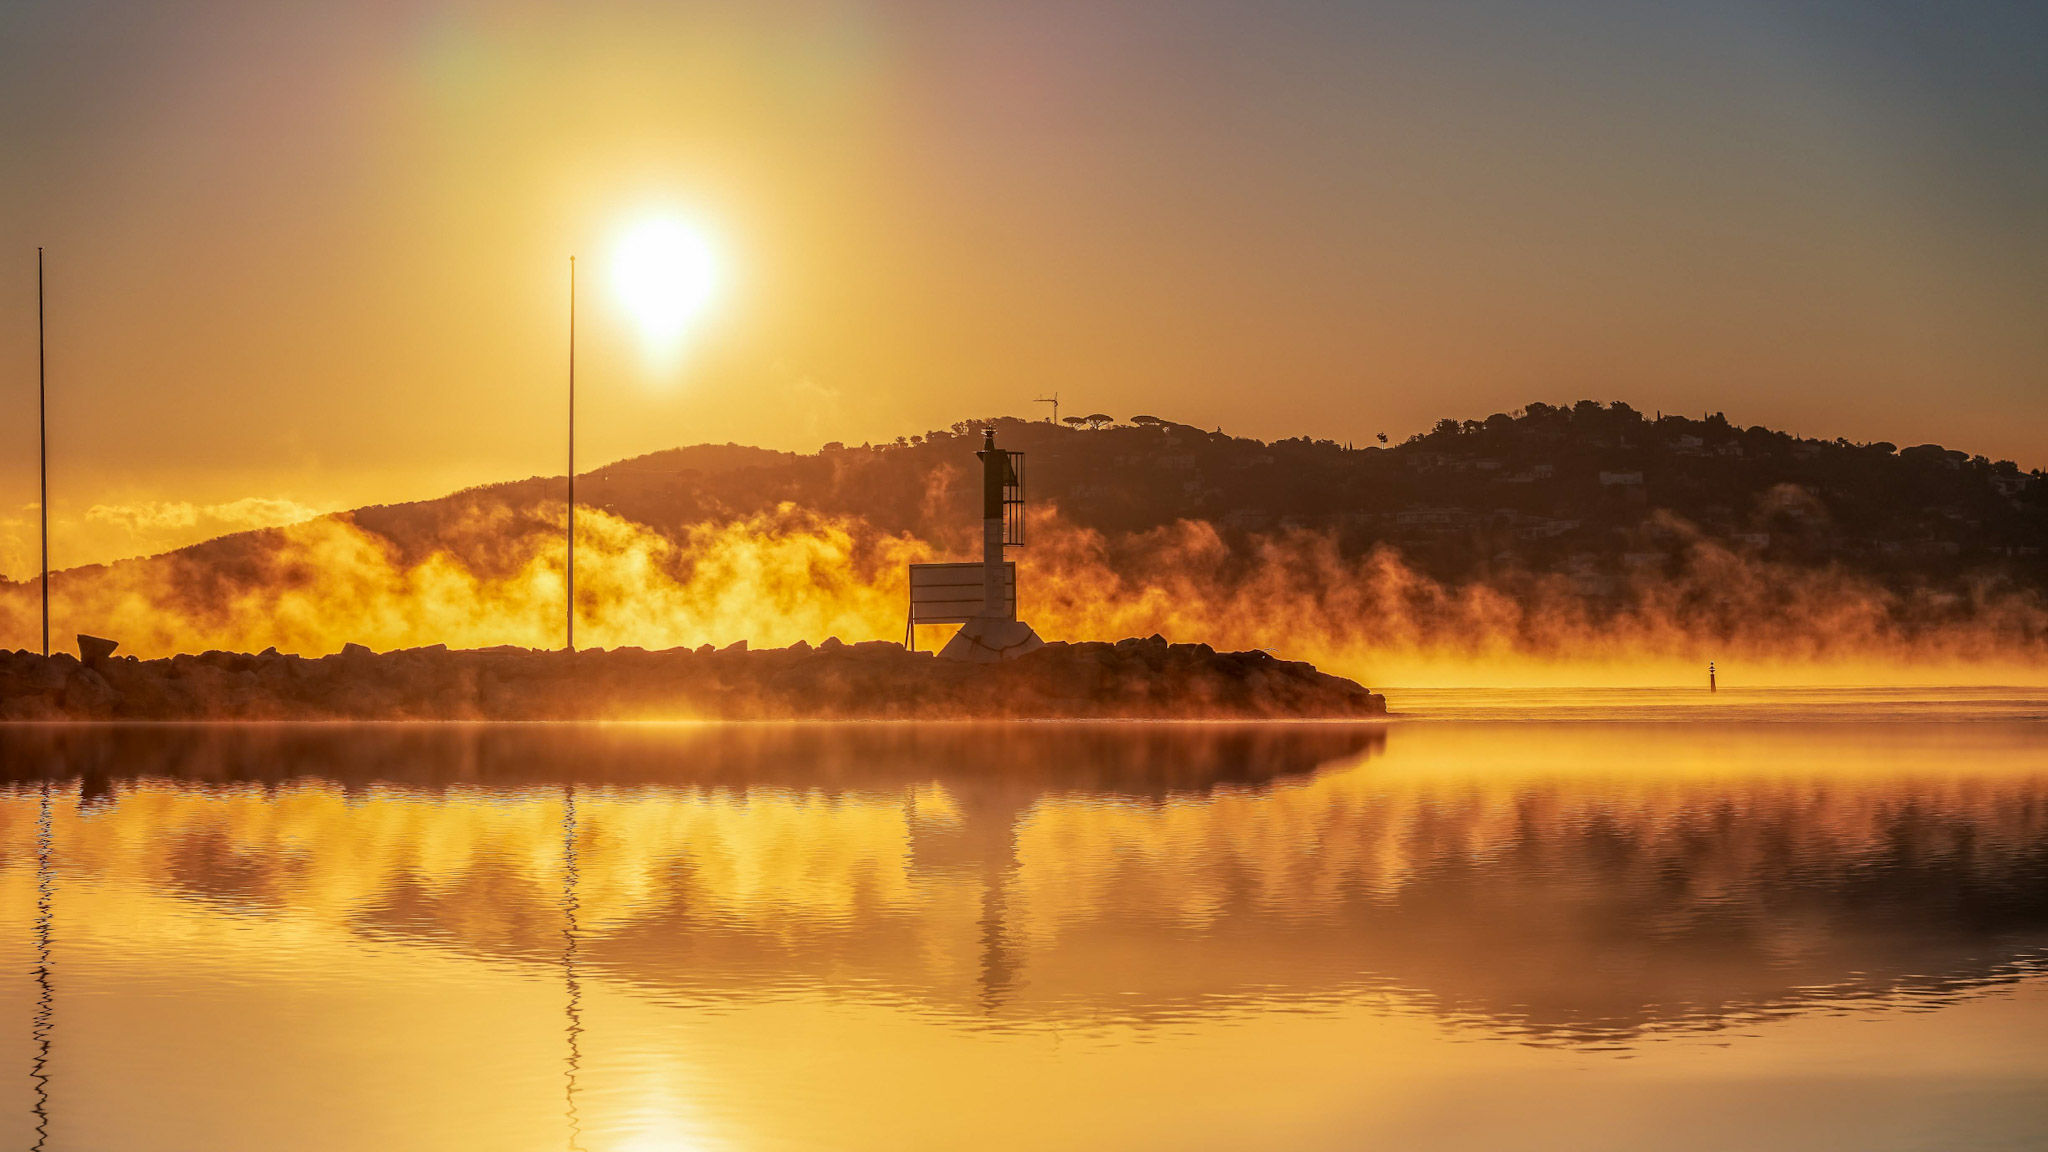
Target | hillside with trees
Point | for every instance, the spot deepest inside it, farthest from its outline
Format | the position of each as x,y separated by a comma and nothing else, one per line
1548,533
1590,490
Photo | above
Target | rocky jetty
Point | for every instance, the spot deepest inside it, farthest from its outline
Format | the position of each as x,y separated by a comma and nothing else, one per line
1136,678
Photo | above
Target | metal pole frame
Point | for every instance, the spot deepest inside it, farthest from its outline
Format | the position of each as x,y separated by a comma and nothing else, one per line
43,446
571,605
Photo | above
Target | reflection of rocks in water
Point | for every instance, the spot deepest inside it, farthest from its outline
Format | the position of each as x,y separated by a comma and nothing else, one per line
1020,875
1120,757
934,803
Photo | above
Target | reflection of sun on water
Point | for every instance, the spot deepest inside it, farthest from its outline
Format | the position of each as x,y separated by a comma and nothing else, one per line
653,1143
662,1122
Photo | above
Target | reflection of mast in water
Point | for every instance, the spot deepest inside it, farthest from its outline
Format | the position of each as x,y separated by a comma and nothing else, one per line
46,886
999,969
574,1007
981,841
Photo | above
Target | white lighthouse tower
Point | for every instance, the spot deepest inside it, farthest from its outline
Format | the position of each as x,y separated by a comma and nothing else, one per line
981,598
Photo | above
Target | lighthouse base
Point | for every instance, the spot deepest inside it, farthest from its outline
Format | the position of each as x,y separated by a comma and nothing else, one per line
989,639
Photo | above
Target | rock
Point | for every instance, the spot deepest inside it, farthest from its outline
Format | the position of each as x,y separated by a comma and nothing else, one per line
735,646
87,695
26,707
93,649
44,675
831,644
276,677
875,679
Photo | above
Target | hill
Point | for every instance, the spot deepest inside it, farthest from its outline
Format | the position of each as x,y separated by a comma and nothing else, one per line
1582,531
1588,487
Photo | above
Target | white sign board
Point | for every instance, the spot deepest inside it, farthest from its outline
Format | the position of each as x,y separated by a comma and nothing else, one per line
952,593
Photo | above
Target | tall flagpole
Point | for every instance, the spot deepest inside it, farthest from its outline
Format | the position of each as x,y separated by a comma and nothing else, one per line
43,446
572,464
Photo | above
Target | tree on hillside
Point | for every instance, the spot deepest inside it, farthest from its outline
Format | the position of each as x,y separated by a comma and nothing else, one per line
1099,419
1074,421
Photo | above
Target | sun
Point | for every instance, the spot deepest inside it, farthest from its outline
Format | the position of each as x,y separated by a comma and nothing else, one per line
666,272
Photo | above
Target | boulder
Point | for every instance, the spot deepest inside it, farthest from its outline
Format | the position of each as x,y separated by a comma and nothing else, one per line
873,679
88,695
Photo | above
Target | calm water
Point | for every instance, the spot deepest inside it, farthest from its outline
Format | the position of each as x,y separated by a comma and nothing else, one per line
1804,925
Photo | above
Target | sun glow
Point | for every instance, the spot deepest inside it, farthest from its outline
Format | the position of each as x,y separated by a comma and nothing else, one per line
666,273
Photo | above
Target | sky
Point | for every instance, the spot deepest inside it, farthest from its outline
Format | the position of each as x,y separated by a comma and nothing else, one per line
307,256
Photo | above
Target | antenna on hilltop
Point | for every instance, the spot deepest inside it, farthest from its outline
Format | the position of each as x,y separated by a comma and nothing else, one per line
1053,400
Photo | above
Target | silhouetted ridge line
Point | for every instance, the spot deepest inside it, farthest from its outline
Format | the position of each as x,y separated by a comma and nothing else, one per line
1580,531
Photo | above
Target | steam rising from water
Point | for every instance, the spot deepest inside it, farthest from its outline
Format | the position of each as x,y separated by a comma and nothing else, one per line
1378,617
775,578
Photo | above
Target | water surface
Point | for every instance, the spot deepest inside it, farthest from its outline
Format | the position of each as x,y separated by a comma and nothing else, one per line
1815,927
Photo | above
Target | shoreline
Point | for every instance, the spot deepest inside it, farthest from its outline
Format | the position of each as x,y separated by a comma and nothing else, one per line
1133,679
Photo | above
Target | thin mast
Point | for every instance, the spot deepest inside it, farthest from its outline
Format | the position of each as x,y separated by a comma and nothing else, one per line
572,456
43,447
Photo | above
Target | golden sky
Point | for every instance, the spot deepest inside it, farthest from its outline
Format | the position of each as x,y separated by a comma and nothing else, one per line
313,256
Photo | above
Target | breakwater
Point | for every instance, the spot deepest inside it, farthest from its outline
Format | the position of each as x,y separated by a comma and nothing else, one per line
1136,679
